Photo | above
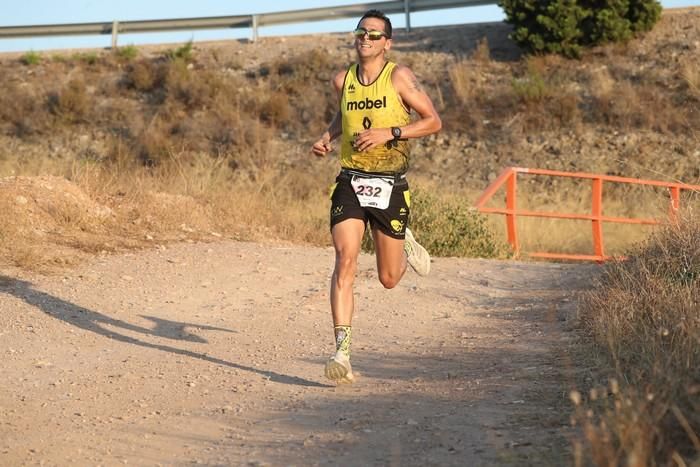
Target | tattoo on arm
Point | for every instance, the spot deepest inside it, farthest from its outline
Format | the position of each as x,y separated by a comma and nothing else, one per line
415,85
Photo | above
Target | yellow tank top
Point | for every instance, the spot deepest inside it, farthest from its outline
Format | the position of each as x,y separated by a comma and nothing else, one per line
376,105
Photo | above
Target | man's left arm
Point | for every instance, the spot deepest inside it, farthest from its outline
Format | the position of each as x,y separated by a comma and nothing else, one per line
414,97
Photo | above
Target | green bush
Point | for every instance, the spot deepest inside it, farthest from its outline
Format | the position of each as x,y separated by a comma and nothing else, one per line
531,87
448,227
566,26
31,58
183,53
128,52
89,58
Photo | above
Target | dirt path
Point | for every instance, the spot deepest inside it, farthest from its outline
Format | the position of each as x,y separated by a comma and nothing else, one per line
213,353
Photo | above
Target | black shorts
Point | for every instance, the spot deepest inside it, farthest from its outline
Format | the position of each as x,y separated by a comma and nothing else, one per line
392,221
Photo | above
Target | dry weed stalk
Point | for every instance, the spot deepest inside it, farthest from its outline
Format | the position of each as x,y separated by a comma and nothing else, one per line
482,52
690,72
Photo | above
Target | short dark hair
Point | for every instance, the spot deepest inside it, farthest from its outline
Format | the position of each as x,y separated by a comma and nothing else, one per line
382,16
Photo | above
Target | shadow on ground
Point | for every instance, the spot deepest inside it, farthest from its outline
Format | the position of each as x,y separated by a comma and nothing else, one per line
94,321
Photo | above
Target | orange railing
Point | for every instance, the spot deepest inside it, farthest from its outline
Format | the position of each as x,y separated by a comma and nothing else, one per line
508,177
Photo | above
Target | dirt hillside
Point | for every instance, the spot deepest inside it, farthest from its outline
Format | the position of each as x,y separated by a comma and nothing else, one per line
635,112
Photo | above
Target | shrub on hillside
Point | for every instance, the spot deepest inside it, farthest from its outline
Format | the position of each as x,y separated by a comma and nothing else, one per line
276,110
566,26
89,58
184,52
645,318
30,58
21,110
185,85
145,75
71,103
447,227
154,145
304,78
128,52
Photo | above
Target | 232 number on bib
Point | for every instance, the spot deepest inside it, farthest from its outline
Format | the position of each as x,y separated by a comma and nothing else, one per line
373,192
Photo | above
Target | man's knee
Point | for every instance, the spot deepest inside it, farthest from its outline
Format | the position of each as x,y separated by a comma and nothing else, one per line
345,268
389,279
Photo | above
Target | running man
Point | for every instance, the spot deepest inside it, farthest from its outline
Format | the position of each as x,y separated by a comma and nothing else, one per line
376,98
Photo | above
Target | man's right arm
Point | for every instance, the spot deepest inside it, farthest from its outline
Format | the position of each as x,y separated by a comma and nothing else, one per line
335,129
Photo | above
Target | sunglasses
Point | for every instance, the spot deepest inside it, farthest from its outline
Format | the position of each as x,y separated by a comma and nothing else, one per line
371,35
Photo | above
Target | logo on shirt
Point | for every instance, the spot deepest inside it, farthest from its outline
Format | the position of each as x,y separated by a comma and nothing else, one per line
366,104
351,88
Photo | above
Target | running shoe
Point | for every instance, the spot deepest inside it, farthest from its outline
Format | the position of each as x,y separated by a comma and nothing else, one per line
418,257
338,368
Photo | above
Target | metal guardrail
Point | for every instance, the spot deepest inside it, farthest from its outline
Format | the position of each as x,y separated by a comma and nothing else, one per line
241,21
508,179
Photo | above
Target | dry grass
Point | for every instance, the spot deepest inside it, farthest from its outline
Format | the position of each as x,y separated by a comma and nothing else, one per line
21,112
72,103
482,52
644,318
110,206
506,103
469,86
690,73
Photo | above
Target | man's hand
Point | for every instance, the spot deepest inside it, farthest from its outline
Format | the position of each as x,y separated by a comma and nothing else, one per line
371,138
322,147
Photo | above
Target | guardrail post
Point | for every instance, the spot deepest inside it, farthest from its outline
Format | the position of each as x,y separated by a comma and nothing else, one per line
407,11
597,208
115,34
675,193
255,28
511,220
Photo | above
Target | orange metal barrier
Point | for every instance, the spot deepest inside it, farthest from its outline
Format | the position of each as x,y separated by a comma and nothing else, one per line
508,177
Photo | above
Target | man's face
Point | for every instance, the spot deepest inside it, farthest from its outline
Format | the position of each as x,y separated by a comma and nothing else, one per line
368,48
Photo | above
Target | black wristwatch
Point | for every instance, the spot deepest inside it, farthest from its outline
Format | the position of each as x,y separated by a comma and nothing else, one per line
396,132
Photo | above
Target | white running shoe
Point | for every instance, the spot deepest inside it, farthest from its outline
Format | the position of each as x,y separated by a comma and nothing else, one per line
338,368
417,256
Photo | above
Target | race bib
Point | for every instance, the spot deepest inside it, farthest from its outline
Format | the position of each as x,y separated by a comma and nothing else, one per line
372,192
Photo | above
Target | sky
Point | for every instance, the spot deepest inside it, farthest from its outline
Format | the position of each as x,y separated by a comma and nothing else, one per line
41,12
